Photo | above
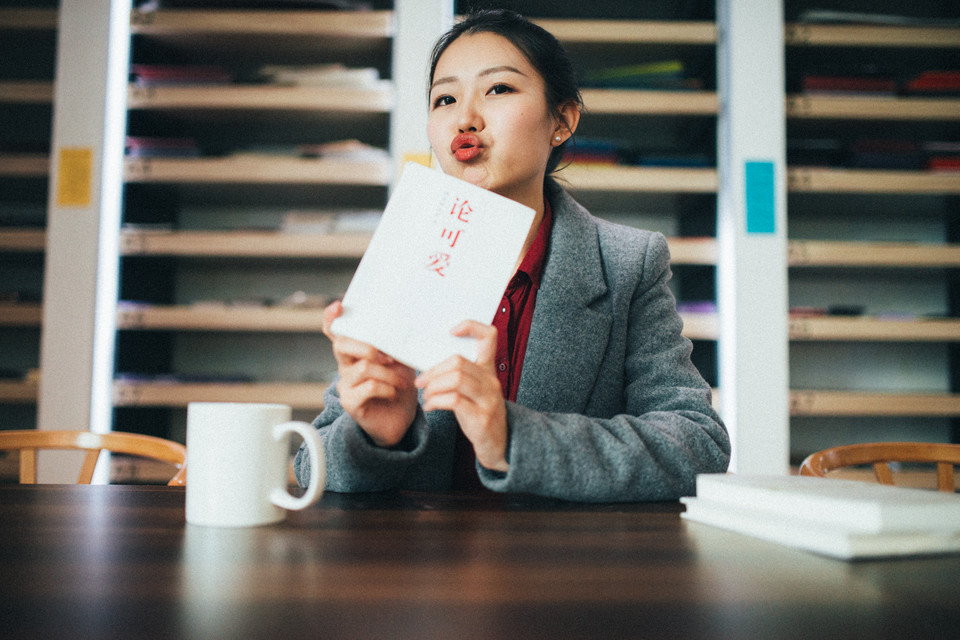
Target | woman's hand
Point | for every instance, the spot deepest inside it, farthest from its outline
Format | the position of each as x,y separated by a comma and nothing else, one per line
377,391
472,391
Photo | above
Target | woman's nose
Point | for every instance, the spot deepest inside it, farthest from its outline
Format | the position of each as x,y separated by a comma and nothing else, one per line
469,117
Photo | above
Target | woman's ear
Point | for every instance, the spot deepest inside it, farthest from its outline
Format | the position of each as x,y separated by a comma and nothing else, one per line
569,118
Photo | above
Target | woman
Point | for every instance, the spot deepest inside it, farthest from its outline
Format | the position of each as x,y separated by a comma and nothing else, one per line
583,388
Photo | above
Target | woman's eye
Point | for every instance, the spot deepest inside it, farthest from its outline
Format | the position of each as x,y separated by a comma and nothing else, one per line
443,101
500,88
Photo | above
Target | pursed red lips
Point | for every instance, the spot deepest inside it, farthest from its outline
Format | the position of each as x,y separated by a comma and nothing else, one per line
466,146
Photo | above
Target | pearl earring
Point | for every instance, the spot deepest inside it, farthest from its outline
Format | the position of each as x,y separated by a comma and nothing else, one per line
557,138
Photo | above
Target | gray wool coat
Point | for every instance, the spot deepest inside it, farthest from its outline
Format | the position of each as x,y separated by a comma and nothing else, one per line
609,406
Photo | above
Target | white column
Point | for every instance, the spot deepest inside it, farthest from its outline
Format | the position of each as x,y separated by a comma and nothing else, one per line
752,236
418,25
83,217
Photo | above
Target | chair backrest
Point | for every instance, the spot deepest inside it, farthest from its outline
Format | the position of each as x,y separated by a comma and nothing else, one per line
881,454
29,441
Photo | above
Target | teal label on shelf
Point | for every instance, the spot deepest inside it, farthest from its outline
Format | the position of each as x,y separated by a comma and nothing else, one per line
761,210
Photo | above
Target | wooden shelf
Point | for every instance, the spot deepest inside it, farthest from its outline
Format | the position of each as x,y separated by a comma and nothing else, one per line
26,92
697,326
704,326
868,329
242,244
24,165
271,244
28,19
636,102
816,253
345,24
828,180
262,97
631,31
22,240
699,250
811,403
20,315
18,392
217,318
299,395
872,108
700,326
255,169
827,35
647,179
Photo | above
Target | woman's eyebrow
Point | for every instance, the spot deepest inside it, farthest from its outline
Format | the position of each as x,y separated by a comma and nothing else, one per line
485,72
505,67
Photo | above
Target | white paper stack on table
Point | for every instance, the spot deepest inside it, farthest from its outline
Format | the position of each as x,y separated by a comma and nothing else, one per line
444,252
845,519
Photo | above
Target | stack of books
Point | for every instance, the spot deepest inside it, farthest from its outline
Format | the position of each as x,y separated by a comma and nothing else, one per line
844,519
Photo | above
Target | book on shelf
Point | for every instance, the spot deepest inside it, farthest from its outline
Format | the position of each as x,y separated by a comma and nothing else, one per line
158,147
828,16
848,84
444,252
845,519
159,75
324,75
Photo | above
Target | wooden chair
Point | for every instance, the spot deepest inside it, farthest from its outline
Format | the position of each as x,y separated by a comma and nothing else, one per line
29,441
881,454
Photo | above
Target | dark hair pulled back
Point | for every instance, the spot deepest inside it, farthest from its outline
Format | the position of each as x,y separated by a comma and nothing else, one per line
541,49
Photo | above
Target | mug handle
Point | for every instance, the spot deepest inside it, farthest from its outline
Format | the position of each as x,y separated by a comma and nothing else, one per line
318,467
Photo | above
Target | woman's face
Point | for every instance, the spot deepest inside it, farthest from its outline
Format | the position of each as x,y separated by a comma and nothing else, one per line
489,123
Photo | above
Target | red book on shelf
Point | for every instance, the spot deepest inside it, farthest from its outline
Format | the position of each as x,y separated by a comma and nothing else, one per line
849,84
944,163
934,82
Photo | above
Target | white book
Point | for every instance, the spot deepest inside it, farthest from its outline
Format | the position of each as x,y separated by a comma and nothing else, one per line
825,540
443,252
866,507
841,518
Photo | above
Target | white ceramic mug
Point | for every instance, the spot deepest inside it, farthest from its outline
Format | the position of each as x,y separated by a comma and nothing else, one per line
238,456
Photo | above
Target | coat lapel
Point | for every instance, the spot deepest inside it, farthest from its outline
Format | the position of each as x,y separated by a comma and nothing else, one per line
570,327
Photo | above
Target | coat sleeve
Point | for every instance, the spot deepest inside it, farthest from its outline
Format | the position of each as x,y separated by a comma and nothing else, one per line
354,463
664,433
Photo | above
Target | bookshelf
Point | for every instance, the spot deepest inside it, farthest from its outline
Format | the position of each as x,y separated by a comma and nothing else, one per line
20,315
272,244
798,34
280,98
303,396
830,180
28,32
173,318
895,255
258,169
638,103
24,165
27,240
641,179
886,108
291,26
203,247
624,31
680,125
871,236
249,244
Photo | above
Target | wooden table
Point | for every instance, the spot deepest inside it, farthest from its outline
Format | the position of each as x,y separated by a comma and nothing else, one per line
119,562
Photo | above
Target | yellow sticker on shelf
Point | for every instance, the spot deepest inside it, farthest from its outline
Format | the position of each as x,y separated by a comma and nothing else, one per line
74,177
